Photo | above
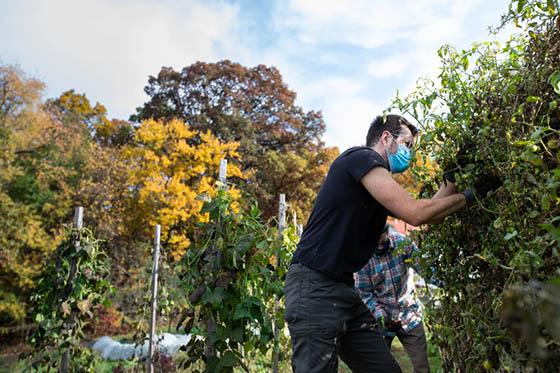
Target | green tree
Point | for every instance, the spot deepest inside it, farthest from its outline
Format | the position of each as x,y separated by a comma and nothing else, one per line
50,161
25,241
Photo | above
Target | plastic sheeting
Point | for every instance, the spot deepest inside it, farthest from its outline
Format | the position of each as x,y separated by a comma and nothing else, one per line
166,343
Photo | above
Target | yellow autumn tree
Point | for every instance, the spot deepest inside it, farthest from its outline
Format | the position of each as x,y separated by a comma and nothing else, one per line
173,168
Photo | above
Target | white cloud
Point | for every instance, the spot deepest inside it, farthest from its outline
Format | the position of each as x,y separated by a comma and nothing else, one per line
343,57
108,48
388,67
347,114
403,36
367,23
333,86
347,120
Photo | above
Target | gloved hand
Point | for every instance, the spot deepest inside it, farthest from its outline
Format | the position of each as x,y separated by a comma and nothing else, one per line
483,185
469,195
393,325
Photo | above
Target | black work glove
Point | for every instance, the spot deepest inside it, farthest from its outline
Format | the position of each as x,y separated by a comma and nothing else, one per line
483,185
469,195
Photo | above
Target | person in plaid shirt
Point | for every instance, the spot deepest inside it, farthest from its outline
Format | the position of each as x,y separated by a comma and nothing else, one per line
383,287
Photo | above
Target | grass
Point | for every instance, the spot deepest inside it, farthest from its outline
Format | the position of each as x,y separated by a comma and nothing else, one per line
400,354
106,366
9,362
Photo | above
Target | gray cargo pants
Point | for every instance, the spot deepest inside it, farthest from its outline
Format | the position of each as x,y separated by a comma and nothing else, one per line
414,342
327,319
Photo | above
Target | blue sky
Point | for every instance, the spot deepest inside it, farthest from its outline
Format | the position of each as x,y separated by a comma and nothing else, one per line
346,58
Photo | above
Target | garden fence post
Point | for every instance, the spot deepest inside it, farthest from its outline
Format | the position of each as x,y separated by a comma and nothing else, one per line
299,227
223,171
276,329
281,214
214,256
154,298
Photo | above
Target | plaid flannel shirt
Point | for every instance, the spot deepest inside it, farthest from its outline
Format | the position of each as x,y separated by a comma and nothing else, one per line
382,284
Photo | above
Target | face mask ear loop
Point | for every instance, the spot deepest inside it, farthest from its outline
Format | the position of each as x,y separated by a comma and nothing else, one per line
394,139
388,153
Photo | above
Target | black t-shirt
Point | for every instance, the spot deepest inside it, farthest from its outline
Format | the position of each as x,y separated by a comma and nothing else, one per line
346,221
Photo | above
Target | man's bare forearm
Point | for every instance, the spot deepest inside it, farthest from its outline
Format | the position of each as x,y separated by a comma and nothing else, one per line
433,210
442,215
447,188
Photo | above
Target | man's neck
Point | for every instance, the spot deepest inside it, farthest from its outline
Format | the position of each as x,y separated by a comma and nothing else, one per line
380,150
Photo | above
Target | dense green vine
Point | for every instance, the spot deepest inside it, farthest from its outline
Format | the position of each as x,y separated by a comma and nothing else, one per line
71,286
231,275
494,114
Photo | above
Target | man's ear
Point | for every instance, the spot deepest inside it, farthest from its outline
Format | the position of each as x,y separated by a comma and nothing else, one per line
385,137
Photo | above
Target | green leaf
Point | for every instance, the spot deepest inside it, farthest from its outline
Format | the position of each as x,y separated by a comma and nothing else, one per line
510,235
241,312
553,232
212,364
237,335
520,143
553,144
554,81
545,202
196,331
531,178
529,157
256,313
214,297
465,62
229,359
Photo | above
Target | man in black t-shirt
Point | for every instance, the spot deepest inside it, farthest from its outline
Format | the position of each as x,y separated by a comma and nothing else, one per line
324,312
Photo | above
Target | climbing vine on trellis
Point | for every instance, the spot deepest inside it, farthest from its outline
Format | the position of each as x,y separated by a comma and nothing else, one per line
231,274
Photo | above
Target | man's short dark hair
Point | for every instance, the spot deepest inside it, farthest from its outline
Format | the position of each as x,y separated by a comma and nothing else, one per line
390,122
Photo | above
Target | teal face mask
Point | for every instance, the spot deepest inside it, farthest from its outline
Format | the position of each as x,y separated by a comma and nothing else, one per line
399,161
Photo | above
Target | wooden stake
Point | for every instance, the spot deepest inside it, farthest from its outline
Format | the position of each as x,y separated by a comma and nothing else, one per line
78,224
154,299
215,262
276,330
223,171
